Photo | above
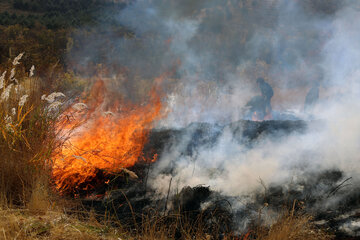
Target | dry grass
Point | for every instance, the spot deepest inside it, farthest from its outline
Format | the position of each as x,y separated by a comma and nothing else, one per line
292,226
155,226
24,224
27,139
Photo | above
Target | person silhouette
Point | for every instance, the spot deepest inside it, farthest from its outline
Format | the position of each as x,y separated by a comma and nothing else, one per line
267,93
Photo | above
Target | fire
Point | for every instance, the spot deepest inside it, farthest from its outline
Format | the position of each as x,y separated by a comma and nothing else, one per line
102,140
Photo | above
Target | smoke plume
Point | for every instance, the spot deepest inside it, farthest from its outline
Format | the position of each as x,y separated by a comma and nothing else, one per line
212,53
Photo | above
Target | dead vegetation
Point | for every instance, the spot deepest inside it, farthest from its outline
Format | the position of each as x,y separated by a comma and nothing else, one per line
292,226
26,224
27,138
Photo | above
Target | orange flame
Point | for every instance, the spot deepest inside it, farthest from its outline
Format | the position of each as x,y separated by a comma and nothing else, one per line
103,141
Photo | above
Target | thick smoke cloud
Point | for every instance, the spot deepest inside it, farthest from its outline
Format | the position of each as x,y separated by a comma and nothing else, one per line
303,47
213,51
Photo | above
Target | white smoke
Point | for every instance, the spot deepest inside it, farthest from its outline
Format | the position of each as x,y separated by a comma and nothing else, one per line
331,142
218,49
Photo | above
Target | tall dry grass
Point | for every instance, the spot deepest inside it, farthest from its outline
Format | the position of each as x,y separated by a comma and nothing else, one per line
27,138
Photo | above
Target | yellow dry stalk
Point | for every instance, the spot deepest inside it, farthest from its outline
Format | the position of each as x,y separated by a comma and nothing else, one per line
20,120
3,132
13,131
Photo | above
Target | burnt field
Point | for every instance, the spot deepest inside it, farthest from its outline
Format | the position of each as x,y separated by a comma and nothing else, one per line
130,197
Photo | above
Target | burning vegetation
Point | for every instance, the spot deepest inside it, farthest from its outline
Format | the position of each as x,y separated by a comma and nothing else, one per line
102,135
230,142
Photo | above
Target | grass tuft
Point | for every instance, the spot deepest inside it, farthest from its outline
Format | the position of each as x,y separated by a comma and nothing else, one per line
293,226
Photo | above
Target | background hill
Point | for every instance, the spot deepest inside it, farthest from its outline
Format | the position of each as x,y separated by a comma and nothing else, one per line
44,29
55,14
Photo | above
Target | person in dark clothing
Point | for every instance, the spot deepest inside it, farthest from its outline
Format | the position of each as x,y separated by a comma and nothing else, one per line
256,108
267,93
311,97
259,107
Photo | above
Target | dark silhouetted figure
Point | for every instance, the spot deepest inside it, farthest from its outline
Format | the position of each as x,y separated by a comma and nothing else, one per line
260,106
257,108
312,97
266,93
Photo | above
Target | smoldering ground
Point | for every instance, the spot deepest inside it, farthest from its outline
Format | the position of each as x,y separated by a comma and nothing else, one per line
213,52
